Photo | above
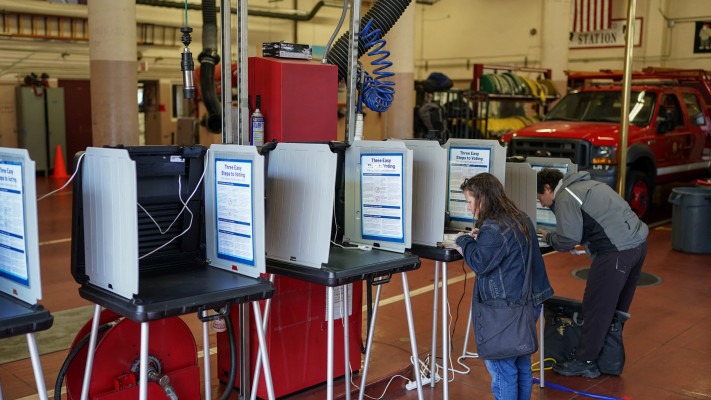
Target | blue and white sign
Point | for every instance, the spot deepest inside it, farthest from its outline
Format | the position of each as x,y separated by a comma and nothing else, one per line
382,197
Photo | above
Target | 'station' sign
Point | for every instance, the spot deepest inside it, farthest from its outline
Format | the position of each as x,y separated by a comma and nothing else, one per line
613,37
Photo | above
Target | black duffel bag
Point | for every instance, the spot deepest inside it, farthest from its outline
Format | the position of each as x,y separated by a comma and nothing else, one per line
564,325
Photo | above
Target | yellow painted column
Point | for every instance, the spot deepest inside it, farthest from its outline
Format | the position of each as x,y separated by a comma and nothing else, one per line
401,44
114,76
555,33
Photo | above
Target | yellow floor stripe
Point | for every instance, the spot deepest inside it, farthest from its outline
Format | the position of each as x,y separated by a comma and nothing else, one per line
55,241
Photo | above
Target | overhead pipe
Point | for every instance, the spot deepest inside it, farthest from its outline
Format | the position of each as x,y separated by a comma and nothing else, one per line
293,15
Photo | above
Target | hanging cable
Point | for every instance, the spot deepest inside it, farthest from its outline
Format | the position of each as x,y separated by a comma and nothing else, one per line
376,93
324,60
186,59
70,179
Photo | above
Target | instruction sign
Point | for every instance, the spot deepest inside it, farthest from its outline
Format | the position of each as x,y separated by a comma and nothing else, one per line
13,259
233,197
464,162
382,197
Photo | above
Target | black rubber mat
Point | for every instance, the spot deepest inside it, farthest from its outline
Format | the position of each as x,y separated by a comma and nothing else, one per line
645,278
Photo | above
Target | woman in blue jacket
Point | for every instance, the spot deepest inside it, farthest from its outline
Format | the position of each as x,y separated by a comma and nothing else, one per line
497,251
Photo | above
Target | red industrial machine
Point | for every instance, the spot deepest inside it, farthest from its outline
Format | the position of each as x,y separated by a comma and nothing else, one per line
299,98
173,367
297,336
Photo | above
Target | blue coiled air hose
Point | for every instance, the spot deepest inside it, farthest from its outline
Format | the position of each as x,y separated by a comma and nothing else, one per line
376,93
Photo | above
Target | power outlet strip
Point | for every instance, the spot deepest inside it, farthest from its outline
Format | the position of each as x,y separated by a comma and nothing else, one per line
425,381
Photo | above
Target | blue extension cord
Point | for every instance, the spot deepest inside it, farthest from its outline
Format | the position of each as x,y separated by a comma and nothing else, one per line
593,395
376,93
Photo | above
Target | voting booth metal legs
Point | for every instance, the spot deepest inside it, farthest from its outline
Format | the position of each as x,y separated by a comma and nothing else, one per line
371,331
36,367
445,331
143,378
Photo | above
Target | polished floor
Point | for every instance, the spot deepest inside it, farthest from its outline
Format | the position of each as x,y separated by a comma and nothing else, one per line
667,339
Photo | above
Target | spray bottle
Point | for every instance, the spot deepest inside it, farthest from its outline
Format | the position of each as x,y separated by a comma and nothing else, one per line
256,122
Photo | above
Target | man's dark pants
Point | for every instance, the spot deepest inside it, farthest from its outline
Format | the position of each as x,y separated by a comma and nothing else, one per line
610,286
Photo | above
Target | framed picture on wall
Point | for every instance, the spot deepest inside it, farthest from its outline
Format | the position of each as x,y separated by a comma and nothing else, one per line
702,37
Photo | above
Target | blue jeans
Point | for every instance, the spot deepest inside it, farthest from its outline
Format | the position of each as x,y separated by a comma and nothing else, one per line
511,378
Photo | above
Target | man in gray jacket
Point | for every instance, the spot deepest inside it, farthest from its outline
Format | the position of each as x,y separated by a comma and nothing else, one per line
592,214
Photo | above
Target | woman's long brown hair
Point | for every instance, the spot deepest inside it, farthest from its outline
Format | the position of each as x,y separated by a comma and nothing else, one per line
493,203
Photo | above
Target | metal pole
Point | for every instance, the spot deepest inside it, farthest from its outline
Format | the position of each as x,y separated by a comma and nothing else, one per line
433,363
351,77
445,336
625,112
346,353
226,71
242,81
369,344
90,353
244,351
143,373
329,351
36,366
206,355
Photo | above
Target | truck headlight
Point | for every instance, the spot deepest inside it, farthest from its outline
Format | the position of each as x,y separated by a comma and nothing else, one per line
603,155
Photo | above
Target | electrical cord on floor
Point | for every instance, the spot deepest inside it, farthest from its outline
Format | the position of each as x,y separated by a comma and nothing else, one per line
386,386
72,353
533,369
464,290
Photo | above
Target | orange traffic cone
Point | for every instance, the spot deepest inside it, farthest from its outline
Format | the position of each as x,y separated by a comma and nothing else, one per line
60,171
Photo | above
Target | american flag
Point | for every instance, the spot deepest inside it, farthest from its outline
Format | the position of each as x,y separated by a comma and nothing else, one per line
591,15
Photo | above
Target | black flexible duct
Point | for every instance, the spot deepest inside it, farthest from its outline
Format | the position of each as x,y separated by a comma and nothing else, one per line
208,60
70,357
385,13
233,357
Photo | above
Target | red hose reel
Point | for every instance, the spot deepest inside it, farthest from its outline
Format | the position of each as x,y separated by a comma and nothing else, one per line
172,354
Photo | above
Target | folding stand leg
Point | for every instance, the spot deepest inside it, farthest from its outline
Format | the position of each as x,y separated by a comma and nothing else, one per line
206,355
90,353
445,334
346,353
263,350
258,366
143,373
329,356
369,343
465,353
36,367
433,356
411,328
541,344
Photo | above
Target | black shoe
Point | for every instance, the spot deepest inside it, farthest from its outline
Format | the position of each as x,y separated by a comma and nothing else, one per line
575,367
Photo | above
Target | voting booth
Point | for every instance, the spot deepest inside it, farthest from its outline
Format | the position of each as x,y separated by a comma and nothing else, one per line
440,211
323,242
20,284
301,190
437,201
378,203
163,231
545,219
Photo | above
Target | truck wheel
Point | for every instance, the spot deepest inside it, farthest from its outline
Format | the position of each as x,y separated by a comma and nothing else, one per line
638,193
